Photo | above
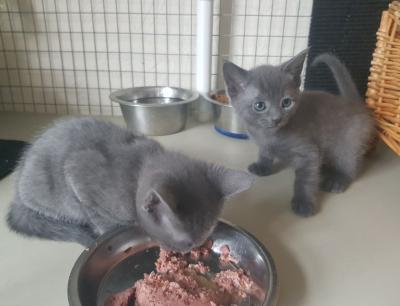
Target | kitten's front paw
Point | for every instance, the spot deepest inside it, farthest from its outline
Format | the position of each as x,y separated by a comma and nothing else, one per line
335,182
303,207
259,169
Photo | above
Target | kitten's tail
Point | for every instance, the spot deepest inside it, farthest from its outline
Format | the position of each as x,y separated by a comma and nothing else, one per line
27,222
342,75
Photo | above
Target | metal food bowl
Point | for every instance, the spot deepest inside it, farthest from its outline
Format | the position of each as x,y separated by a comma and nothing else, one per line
154,110
120,258
226,121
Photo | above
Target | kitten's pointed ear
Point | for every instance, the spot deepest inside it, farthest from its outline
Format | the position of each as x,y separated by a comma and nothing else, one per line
160,206
230,181
235,78
158,201
294,66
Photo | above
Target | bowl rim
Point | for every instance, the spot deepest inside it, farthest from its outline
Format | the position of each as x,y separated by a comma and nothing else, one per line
213,92
114,96
73,280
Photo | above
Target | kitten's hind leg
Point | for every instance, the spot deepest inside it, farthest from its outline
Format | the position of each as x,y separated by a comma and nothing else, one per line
306,184
28,222
100,221
334,180
263,166
342,168
346,155
99,190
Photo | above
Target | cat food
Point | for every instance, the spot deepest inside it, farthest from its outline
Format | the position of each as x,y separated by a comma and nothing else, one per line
220,98
225,255
203,251
124,298
176,282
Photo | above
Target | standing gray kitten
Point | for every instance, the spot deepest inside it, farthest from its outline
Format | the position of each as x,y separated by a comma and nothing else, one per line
322,136
83,178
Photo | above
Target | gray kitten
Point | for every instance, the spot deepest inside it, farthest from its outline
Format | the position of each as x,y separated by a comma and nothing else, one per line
82,178
322,136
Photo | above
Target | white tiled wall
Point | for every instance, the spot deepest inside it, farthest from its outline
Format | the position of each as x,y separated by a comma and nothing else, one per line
66,56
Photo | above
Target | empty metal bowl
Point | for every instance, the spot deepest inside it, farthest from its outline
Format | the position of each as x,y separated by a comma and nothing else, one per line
226,121
154,110
120,258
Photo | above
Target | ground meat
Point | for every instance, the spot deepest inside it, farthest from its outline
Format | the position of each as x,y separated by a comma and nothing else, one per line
199,267
176,290
124,298
177,282
225,255
203,251
239,284
170,262
235,282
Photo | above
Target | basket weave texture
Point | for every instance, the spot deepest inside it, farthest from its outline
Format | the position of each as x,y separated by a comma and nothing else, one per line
383,93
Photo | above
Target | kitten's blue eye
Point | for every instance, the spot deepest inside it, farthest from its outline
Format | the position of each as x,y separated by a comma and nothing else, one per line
259,106
286,102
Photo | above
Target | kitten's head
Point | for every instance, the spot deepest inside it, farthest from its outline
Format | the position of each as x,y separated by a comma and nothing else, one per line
266,96
178,204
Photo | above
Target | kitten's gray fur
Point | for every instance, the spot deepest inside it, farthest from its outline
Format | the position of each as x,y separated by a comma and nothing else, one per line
322,136
83,177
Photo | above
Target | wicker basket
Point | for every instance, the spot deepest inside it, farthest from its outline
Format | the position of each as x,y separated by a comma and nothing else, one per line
383,93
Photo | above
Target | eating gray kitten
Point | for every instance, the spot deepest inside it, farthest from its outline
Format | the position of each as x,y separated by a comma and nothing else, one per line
82,178
322,136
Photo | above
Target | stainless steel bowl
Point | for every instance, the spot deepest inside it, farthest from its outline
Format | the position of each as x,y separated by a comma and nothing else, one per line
120,258
226,121
154,110
202,111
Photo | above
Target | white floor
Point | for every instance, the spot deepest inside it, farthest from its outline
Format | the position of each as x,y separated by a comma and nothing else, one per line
348,254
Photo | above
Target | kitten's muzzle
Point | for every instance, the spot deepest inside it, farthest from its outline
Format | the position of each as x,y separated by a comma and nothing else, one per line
270,124
276,121
183,247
